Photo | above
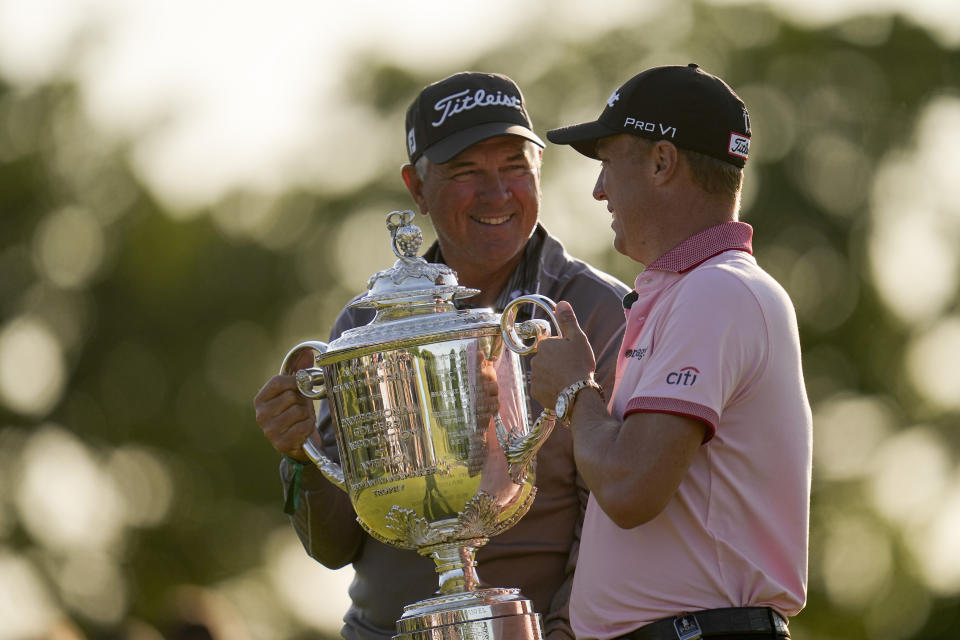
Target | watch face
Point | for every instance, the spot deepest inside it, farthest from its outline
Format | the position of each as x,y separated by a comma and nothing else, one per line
561,408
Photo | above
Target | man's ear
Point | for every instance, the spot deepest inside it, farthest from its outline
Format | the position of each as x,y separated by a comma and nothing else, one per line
415,186
665,158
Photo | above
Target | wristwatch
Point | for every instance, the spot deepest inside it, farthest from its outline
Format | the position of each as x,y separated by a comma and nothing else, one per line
564,406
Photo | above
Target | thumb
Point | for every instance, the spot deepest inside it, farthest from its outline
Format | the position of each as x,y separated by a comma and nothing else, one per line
306,359
567,319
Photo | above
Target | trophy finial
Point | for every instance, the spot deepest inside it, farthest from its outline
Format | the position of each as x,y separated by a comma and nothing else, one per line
406,236
429,287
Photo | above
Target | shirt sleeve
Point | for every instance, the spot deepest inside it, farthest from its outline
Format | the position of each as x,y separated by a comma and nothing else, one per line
706,342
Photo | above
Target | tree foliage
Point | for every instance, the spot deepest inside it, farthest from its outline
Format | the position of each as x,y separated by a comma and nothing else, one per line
163,343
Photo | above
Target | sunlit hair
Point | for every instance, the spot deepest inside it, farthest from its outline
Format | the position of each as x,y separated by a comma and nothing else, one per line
713,175
530,149
710,174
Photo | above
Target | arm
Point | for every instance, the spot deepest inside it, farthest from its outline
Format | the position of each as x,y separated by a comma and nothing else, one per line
632,467
324,518
603,325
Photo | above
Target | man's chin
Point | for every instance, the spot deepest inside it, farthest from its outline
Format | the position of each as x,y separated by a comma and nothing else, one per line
618,243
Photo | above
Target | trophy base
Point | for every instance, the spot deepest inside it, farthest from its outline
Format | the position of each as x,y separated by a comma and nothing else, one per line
484,614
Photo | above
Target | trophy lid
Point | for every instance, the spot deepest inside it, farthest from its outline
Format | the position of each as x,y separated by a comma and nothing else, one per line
413,299
412,281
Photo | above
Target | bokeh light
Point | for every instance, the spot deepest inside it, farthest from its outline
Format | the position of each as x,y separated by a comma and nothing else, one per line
774,122
932,359
253,594
857,561
916,218
935,546
848,430
32,367
277,224
299,581
823,287
143,483
92,584
27,607
910,476
836,172
69,247
72,504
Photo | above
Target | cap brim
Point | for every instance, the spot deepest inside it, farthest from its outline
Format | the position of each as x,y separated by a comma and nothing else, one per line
450,146
582,137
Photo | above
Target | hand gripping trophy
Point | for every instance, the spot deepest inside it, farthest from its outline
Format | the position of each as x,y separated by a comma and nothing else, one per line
432,423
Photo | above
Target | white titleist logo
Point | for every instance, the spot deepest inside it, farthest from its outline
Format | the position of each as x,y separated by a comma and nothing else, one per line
739,145
457,102
613,98
412,140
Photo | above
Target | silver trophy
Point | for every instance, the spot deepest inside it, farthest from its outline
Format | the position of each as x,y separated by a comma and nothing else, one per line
432,422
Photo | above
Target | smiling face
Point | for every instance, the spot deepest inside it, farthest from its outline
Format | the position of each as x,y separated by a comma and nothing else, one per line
484,203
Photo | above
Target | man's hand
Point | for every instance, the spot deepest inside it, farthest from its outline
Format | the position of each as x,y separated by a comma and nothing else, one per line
286,417
561,361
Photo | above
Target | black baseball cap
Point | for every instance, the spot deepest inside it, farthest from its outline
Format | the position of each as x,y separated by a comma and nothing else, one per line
685,105
450,115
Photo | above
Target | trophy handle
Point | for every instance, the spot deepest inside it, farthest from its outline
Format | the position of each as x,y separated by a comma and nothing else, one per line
311,385
309,381
515,334
521,449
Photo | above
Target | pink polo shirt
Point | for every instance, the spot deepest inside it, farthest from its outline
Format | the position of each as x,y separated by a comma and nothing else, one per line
711,336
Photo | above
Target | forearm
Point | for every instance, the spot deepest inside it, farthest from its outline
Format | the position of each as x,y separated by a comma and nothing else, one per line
632,468
595,436
324,519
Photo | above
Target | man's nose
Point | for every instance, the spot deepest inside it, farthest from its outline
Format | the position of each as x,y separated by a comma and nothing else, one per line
598,192
494,188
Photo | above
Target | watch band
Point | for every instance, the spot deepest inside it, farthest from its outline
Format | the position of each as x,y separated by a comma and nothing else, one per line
568,396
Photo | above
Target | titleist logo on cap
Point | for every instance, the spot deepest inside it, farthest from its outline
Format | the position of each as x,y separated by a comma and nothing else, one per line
739,145
462,101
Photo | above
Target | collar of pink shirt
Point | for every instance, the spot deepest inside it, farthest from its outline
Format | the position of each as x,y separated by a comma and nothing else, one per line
705,244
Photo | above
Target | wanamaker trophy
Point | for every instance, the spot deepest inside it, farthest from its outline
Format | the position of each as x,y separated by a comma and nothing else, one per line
436,444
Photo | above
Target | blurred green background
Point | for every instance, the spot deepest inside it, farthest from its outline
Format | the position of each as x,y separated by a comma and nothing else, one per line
152,275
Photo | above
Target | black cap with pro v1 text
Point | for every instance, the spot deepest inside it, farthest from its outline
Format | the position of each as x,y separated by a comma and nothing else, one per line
463,109
685,105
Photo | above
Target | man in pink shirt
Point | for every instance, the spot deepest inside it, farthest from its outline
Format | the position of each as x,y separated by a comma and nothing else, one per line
698,460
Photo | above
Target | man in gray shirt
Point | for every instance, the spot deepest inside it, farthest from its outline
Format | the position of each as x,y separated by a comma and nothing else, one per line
475,172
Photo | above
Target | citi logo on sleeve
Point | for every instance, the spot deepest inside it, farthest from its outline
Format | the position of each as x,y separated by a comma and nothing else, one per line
686,377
